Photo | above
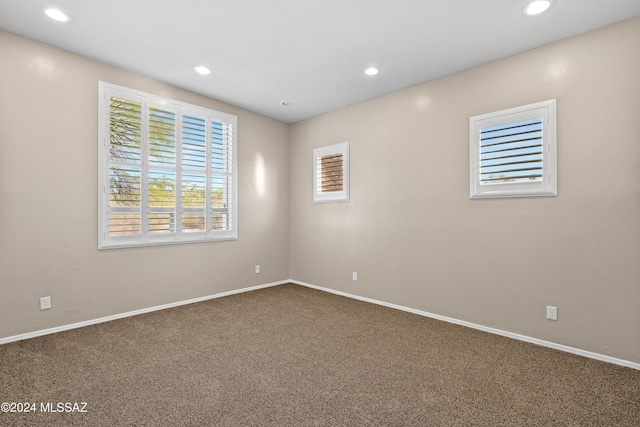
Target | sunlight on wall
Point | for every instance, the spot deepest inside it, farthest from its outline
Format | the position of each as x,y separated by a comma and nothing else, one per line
260,176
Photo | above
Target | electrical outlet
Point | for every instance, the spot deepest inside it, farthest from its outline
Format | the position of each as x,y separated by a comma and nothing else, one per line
45,303
257,269
552,313
354,276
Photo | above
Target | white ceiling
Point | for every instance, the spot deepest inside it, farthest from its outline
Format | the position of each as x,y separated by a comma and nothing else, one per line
311,53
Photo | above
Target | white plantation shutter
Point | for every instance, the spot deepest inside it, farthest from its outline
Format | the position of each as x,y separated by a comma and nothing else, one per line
125,171
194,174
161,175
331,173
330,178
513,152
167,171
222,177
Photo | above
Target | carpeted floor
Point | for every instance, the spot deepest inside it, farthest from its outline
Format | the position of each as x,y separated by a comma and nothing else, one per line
293,356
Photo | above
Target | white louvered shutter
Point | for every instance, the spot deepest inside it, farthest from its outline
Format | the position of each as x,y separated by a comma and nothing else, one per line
513,152
167,169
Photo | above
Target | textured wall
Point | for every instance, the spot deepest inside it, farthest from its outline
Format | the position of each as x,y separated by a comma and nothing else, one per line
48,200
416,239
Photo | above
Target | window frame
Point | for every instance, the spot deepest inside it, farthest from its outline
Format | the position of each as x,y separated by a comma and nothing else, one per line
331,196
547,185
176,234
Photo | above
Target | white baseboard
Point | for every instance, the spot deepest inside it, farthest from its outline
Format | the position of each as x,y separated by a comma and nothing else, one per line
525,338
133,313
495,331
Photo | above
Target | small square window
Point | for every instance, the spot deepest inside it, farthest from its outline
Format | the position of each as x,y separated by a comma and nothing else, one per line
513,152
331,173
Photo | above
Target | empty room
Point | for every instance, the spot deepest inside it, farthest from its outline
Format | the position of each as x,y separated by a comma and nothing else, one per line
336,213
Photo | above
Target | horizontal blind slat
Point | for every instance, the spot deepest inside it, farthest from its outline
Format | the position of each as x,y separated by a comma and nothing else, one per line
500,128
514,141
511,152
514,178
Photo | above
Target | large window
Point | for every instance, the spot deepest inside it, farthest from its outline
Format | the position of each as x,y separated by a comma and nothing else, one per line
167,170
513,152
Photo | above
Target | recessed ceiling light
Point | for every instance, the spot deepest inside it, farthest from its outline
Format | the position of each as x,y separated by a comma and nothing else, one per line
371,71
56,14
537,6
285,103
202,70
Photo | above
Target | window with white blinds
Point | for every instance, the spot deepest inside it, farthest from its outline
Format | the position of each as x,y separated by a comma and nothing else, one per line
167,170
513,152
331,173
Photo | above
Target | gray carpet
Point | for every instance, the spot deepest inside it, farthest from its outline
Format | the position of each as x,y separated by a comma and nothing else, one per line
292,356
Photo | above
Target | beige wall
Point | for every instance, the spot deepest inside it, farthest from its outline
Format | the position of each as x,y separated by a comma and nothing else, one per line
48,201
417,240
410,230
